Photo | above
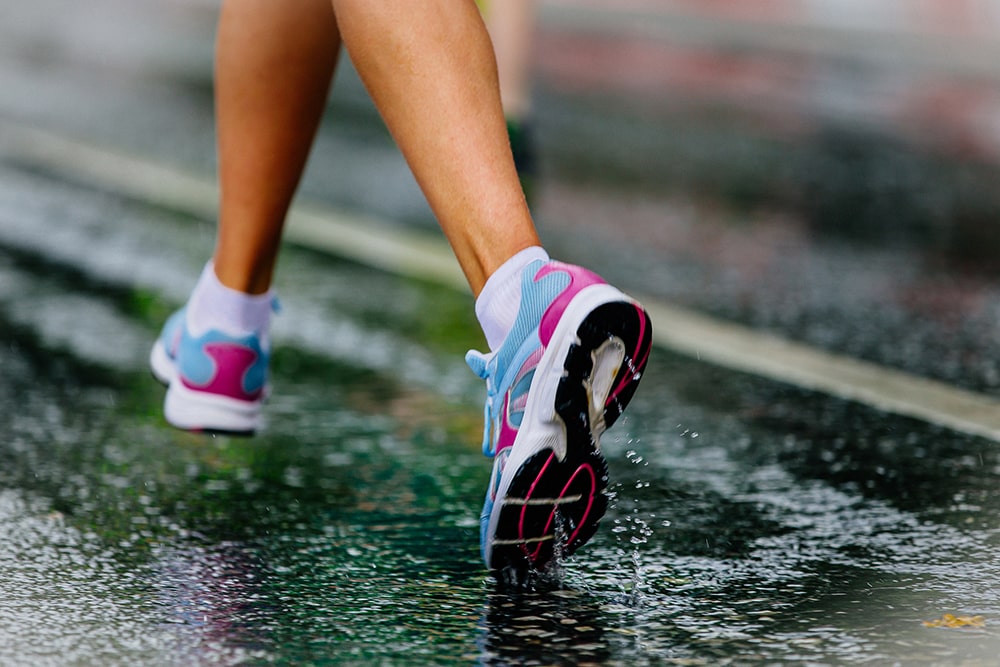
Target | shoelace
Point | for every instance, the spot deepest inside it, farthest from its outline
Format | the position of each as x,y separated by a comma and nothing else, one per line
484,365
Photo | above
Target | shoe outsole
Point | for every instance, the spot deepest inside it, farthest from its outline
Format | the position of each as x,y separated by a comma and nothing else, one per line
552,506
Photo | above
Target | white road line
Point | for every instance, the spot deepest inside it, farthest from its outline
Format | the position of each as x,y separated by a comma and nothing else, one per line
743,349
411,253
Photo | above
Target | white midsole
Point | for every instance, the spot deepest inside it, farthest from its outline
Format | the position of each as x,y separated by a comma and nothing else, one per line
196,410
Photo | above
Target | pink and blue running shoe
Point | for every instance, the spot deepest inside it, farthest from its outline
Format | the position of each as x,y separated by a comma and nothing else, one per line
215,382
564,374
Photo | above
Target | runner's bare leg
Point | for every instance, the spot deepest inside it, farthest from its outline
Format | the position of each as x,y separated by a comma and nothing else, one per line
274,63
430,68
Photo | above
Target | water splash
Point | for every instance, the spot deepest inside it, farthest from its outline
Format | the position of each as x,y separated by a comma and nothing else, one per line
632,531
554,572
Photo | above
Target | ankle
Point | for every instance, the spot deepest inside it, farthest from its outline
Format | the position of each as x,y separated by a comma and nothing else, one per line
255,283
498,303
214,305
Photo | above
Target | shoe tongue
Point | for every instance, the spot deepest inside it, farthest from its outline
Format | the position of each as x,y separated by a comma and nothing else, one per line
478,362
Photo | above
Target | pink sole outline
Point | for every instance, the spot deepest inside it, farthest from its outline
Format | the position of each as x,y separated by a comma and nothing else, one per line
583,519
630,377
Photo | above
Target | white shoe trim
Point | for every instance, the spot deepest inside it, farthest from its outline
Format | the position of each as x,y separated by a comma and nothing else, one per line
163,367
194,410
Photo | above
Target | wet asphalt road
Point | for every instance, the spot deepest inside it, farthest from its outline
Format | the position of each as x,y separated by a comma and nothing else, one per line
751,522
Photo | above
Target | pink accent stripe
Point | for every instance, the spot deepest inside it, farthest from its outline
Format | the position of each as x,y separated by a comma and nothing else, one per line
524,509
579,278
586,512
231,363
552,516
507,432
629,377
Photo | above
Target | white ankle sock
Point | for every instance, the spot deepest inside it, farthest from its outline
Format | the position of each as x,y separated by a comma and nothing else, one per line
498,303
214,306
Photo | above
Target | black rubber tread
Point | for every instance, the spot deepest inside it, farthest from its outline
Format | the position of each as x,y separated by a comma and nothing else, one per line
537,517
